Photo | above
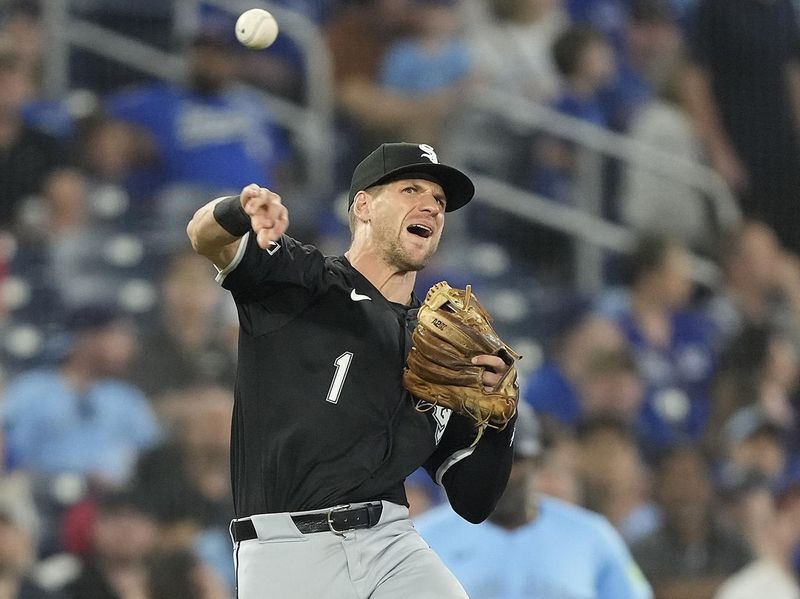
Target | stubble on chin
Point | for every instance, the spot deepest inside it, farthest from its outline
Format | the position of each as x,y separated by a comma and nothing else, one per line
397,255
400,258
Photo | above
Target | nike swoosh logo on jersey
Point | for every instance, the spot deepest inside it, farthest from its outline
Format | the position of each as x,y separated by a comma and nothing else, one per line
357,297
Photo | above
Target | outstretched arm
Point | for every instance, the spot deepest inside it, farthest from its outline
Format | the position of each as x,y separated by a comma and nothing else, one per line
216,229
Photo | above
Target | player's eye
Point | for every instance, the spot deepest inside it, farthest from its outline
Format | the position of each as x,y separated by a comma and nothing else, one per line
409,189
441,201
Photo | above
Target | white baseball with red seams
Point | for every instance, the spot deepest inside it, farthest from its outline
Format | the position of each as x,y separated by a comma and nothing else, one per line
256,28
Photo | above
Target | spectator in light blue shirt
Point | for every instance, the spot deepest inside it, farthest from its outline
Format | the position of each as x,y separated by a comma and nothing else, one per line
78,418
434,63
435,59
535,545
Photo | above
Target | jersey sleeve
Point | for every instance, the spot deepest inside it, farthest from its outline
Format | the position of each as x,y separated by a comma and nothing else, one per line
254,272
474,477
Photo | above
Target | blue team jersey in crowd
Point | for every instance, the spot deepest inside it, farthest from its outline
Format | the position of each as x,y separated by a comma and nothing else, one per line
678,378
548,391
566,553
51,428
225,140
590,109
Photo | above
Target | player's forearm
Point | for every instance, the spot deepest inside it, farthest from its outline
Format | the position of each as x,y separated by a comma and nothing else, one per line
207,236
474,485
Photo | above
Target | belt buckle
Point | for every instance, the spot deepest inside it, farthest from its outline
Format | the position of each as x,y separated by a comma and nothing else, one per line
329,518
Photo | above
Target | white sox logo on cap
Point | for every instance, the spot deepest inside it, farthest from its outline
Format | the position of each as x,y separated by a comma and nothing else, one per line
429,153
393,161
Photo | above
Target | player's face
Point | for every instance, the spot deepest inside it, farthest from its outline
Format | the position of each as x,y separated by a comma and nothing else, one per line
408,217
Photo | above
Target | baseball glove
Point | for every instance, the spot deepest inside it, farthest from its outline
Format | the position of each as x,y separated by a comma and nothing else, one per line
452,329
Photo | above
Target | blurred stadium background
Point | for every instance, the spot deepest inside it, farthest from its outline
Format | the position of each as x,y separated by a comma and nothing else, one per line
635,232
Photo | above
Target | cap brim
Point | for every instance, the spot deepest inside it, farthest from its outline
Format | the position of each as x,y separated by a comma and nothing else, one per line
458,188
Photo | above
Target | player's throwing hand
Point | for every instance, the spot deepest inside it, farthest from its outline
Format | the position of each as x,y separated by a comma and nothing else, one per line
269,218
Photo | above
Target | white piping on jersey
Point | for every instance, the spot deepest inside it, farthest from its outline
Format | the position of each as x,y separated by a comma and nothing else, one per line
236,259
453,459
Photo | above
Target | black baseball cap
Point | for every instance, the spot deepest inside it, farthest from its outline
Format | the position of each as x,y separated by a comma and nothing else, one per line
392,161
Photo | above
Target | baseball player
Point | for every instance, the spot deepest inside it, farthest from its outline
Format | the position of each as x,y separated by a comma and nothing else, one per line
535,545
324,432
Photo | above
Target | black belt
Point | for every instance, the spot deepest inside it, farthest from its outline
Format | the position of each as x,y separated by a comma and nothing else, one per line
337,520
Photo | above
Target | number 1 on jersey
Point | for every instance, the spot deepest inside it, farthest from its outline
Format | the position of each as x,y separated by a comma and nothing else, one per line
342,364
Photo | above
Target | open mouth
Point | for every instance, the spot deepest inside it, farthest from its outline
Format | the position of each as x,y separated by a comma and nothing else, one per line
420,230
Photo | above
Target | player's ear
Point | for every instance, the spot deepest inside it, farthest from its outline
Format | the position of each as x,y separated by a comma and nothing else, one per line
362,206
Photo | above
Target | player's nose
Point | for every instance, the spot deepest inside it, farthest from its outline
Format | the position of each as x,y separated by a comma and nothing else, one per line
429,202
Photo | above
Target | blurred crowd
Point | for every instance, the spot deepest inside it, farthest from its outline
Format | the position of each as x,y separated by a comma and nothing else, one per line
674,405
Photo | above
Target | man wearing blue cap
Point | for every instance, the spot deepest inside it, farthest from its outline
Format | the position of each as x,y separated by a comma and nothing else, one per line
324,433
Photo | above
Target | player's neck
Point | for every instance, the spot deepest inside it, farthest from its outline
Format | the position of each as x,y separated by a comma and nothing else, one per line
396,286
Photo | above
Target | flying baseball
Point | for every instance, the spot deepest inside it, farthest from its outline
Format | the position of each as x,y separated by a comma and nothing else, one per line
256,29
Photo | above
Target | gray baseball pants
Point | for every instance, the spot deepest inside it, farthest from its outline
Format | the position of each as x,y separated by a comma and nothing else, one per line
388,561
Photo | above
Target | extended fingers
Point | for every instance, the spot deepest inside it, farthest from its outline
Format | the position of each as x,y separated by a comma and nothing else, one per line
269,218
494,363
494,368
270,225
256,199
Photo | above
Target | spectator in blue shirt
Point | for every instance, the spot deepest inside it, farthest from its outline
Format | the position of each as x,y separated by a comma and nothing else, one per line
434,59
585,60
79,417
555,387
534,545
433,62
673,345
649,44
209,132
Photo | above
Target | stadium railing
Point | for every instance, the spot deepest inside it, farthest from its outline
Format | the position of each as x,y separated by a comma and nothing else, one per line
583,220
310,124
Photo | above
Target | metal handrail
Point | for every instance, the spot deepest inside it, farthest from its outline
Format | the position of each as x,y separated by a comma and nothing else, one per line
317,56
314,128
312,124
572,221
645,156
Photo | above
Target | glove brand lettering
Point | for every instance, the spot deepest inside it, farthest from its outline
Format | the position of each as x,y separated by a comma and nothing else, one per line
452,326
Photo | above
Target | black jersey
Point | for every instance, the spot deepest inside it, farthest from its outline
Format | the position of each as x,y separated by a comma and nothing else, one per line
321,416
